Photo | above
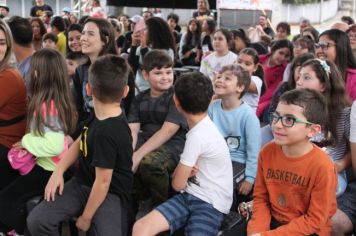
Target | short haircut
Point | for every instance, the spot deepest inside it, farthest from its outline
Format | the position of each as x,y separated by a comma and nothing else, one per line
108,77
21,30
243,77
173,16
157,58
285,26
58,22
313,103
50,36
348,20
194,92
77,56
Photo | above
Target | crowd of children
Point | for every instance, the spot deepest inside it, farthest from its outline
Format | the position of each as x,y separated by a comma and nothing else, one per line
94,118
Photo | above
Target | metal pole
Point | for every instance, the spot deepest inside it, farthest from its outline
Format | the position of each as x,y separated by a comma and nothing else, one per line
23,8
353,8
321,11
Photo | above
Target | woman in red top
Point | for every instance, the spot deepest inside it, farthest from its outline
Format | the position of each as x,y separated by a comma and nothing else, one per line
12,106
273,65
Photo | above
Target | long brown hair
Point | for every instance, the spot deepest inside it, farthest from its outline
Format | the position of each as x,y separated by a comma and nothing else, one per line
9,41
50,82
334,92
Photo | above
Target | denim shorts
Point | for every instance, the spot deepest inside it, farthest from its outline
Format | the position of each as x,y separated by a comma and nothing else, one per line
198,216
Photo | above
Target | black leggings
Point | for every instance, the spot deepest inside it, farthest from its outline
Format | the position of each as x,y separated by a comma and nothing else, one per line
7,174
14,196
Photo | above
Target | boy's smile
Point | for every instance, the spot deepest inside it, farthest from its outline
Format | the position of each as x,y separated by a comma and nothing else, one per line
160,80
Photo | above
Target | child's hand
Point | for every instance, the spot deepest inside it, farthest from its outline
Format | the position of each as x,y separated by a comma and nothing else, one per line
83,224
194,171
17,145
245,187
55,182
135,162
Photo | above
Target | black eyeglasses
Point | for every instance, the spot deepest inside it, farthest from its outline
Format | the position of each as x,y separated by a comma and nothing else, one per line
287,121
323,45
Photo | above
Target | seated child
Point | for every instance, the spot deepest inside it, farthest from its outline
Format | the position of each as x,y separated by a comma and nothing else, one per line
237,122
49,40
101,188
158,130
295,185
204,173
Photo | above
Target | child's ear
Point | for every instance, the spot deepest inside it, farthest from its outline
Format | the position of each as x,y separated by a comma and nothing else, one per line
240,88
126,91
145,74
314,130
89,89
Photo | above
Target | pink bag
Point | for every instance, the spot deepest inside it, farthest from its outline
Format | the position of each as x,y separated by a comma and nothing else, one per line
20,159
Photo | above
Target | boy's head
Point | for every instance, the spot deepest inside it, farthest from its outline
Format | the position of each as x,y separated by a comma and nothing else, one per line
108,77
49,40
157,70
232,80
73,60
299,116
193,93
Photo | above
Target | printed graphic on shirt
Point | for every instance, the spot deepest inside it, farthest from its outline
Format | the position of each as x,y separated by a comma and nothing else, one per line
233,142
287,177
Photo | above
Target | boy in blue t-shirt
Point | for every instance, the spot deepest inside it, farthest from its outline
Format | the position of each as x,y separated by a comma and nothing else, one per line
237,122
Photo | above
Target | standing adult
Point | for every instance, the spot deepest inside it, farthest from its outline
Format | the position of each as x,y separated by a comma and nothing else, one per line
39,8
264,25
4,11
203,10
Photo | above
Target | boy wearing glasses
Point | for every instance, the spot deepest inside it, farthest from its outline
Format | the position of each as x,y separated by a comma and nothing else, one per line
295,185
238,124
100,190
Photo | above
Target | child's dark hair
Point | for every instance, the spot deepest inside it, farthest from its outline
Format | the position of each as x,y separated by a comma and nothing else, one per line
228,36
108,77
348,20
285,26
298,61
157,58
334,93
284,43
58,22
211,25
77,56
243,77
313,104
159,34
50,36
344,57
240,33
194,92
256,60
50,83
174,17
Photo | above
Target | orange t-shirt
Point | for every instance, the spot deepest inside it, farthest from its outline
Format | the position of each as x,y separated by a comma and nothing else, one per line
300,193
12,104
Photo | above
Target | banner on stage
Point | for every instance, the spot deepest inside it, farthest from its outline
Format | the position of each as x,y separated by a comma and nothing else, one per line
245,4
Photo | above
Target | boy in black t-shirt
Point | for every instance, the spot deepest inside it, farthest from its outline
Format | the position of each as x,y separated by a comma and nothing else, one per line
99,192
158,130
